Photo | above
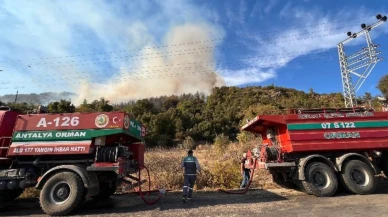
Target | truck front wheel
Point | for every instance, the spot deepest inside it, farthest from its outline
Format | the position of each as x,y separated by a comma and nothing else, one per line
320,180
358,177
62,193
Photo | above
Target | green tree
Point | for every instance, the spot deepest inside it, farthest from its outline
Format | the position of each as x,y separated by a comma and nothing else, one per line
63,106
188,143
383,85
367,98
141,107
85,107
311,91
22,107
101,105
221,142
256,110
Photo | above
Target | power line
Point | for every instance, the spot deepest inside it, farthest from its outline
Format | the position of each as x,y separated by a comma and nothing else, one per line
205,41
181,54
215,64
173,74
49,82
232,45
194,65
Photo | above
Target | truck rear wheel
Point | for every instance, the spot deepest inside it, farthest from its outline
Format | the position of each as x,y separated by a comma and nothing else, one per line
358,177
320,180
302,187
62,193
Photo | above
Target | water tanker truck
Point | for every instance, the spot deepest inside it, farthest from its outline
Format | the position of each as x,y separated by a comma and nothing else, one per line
319,149
68,157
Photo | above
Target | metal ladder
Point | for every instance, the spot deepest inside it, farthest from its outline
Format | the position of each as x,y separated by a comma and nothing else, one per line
4,146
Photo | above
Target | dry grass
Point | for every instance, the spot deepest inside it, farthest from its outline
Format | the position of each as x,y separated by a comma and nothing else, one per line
30,193
219,169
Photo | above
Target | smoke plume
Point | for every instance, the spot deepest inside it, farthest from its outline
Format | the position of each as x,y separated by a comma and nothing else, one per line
179,66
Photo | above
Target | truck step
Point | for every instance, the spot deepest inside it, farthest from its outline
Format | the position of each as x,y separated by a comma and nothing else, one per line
285,164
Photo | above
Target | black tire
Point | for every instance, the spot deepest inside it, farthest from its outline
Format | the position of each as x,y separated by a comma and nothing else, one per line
9,195
358,177
303,186
320,180
106,190
62,194
279,180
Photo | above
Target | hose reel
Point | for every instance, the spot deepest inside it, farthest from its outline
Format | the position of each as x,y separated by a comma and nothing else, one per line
112,153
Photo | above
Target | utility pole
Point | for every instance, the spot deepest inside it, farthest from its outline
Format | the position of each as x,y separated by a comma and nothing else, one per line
16,97
365,59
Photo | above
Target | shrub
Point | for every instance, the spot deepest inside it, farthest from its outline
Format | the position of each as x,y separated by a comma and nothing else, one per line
188,143
221,143
218,170
226,174
204,180
248,141
165,169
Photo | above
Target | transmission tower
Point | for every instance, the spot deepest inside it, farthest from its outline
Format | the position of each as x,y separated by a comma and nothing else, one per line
360,63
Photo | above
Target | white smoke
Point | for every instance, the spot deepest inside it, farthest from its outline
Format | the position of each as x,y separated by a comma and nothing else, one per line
185,67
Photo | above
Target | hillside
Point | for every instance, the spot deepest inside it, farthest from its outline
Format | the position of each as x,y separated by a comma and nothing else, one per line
196,118
41,98
209,124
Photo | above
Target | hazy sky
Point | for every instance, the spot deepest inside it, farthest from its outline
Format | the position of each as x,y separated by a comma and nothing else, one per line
133,49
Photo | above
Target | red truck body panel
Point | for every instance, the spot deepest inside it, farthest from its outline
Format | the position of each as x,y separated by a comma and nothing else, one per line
69,133
324,131
138,150
7,122
77,121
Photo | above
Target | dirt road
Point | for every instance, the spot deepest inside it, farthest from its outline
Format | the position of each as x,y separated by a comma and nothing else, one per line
281,202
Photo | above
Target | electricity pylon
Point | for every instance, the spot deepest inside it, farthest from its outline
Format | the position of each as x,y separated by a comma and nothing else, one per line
360,63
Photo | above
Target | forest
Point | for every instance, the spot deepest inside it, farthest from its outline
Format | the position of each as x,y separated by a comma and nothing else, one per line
173,120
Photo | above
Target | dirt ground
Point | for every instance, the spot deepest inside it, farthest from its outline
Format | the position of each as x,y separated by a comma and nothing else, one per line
277,202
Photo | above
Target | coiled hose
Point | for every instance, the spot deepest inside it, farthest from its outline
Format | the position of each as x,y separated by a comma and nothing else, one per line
149,188
247,186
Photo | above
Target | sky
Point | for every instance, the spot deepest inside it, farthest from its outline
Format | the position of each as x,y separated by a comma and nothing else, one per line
127,50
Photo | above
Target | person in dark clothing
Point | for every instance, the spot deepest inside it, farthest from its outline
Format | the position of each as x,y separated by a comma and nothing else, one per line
191,166
245,172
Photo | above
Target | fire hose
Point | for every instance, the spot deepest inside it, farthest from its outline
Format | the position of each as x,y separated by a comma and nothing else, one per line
247,186
161,191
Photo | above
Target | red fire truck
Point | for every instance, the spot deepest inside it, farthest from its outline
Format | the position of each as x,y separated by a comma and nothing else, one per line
67,156
320,149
